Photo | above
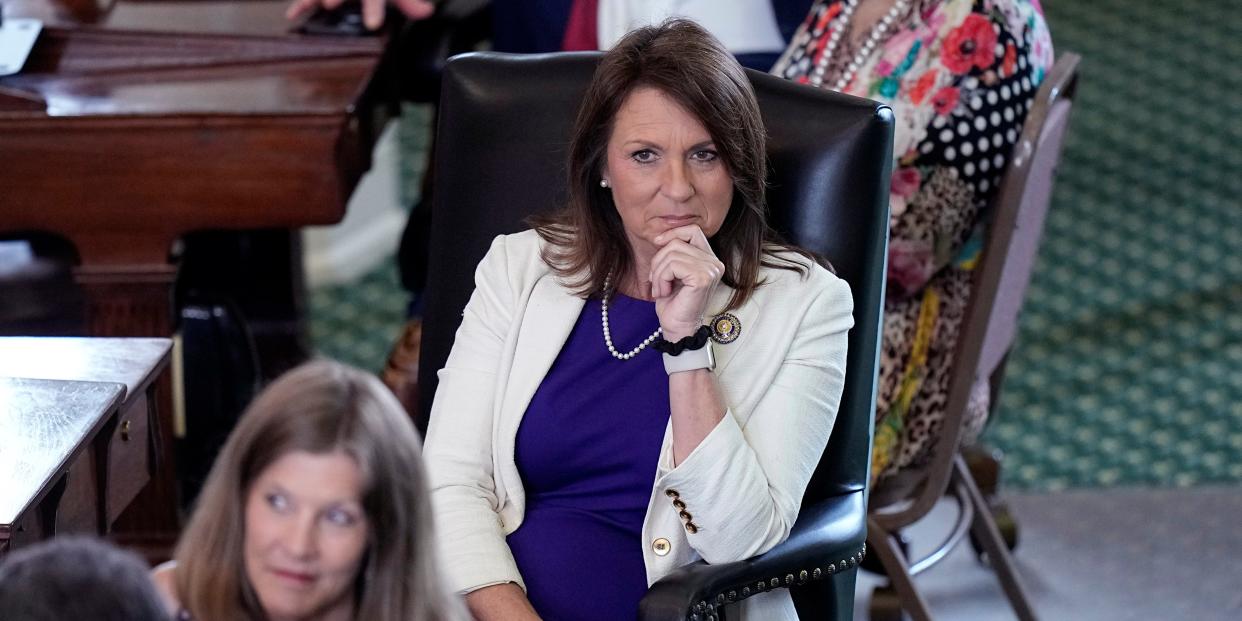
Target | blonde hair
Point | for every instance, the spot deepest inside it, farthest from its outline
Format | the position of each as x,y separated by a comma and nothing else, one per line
320,407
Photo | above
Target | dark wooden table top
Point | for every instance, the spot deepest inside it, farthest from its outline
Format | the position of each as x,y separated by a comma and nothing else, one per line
134,122
44,425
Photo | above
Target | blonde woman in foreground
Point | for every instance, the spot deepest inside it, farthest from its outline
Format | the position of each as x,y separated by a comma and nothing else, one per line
316,510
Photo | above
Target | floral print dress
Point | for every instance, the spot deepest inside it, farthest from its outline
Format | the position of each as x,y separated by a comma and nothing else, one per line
960,76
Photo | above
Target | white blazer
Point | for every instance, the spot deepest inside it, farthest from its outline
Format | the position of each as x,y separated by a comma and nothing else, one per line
743,484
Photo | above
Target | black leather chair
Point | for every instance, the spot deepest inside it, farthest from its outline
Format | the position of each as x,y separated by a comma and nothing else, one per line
504,129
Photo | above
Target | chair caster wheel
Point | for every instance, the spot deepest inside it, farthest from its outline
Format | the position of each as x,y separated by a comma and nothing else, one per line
886,605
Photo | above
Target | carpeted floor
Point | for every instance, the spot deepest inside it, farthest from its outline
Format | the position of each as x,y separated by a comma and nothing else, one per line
1093,555
1126,367
1125,371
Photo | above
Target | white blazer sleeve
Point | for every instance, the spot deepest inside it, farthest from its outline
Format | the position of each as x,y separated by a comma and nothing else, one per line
743,484
458,449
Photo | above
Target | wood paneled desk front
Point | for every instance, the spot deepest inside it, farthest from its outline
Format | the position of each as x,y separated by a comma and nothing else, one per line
77,432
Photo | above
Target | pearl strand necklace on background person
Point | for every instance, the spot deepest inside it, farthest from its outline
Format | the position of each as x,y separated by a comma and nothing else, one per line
603,312
873,39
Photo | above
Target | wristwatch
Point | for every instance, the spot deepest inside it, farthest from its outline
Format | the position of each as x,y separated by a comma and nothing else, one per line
690,359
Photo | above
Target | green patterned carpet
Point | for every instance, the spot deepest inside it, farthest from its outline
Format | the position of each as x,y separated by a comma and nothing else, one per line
1126,370
357,323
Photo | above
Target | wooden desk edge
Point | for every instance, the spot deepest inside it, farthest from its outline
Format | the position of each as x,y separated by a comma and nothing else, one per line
114,409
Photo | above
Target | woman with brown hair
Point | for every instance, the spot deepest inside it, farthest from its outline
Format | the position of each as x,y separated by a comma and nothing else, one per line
590,433
316,510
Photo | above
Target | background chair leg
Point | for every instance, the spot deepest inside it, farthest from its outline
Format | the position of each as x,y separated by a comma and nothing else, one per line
897,567
885,605
984,530
985,464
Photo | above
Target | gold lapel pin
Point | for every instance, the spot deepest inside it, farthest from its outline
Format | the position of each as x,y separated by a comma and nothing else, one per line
725,328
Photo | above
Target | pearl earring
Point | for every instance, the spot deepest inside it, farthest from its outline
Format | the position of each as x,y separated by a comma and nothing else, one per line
603,183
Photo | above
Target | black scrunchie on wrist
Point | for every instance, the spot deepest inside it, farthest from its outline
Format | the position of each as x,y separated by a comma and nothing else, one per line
690,343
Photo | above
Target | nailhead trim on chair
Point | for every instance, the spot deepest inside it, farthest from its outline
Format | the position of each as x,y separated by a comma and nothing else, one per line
705,609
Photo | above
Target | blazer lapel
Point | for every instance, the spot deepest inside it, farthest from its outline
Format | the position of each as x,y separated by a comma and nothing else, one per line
550,314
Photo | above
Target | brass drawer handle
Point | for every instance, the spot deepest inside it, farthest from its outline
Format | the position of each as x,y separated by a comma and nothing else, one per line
124,431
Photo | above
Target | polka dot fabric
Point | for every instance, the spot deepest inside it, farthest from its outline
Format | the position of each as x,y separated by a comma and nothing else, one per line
976,136
960,76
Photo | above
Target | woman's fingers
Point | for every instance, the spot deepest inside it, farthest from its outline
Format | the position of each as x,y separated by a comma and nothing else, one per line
372,10
708,264
416,9
684,272
372,13
683,265
691,234
663,278
298,8
672,271
659,263
681,286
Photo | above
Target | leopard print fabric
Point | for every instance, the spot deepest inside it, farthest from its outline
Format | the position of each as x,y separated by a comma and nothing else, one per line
935,213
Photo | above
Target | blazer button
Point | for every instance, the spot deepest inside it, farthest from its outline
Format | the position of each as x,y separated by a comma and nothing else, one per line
686,516
661,547
672,493
691,528
681,506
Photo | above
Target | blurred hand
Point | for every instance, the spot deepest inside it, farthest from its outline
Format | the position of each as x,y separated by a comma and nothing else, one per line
372,10
684,273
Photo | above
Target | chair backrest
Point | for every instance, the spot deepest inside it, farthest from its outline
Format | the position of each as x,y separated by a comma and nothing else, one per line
505,123
1003,272
1021,208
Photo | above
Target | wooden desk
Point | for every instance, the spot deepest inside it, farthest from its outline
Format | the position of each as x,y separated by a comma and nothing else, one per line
48,438
78,431
135,122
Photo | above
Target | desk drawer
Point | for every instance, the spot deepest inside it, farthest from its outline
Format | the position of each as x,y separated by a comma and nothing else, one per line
77,508
129,458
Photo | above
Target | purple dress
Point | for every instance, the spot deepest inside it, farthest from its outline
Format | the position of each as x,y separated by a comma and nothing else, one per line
587,450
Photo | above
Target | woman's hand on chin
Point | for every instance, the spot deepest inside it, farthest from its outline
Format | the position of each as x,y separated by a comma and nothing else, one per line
684,273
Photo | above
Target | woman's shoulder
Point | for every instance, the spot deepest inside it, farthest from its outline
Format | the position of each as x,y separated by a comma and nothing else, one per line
790,266
513,265
524,242
522,247
514,254
787,272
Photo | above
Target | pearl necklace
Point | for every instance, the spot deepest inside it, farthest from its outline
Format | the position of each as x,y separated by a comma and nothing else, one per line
873,39
603,312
